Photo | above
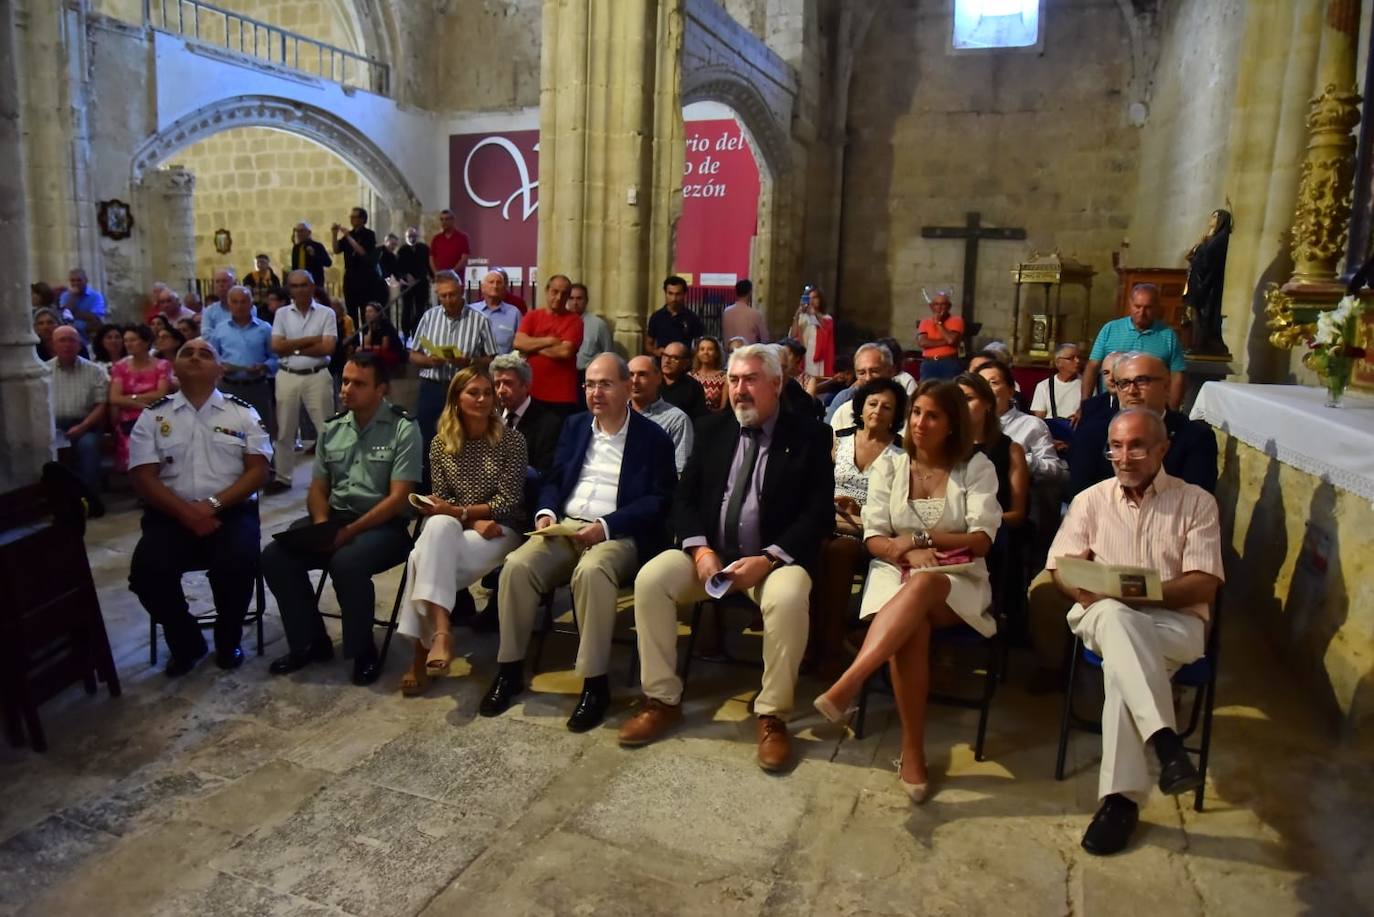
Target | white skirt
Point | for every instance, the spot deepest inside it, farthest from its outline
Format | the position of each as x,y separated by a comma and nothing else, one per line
970,595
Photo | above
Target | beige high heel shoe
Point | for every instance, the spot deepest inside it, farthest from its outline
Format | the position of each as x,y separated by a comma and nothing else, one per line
916,792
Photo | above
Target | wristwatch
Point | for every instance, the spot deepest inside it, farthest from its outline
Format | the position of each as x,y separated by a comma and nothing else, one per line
463,516
214,502
774,561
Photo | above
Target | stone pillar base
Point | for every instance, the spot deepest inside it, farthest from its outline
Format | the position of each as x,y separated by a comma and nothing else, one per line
26,423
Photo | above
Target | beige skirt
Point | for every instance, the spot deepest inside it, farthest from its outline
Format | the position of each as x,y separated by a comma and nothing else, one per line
970,595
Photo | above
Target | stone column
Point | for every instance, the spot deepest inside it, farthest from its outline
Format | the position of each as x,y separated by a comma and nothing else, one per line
26,422
168,197
1322,218
611,151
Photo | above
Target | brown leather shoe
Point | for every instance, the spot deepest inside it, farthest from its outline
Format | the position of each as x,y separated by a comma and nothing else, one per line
775,745
650,723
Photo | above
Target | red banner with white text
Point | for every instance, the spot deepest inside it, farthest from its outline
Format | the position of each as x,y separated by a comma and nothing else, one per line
720,203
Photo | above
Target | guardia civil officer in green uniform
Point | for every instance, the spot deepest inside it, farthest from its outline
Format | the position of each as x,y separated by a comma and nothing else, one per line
367,462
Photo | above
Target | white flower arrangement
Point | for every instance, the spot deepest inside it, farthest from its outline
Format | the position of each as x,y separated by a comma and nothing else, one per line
1332,325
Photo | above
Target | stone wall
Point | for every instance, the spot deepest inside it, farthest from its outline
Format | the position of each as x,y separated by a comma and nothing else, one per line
491,61
1183,145
1036,140
257,183
1299,556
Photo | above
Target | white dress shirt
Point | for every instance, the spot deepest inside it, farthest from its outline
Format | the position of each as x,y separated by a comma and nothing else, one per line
1031,433
199,452
290,324
593,497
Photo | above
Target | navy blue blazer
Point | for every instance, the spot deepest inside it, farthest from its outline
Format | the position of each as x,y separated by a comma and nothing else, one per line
1192,454
648,477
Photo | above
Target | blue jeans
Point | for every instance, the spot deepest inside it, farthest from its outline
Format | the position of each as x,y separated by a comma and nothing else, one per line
86,449
941,368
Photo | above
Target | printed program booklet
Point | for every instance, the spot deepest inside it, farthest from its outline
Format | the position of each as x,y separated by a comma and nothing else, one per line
1138,583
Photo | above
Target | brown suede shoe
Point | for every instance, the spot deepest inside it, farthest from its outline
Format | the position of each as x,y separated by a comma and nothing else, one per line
650,723
775,745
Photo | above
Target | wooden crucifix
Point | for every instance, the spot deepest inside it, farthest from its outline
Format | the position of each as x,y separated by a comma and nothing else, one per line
971,232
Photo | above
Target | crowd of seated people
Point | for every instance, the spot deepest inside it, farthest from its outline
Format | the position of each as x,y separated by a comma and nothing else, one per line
701,470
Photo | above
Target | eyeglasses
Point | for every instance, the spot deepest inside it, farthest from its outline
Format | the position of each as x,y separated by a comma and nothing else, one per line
673,356
1117,453
1137,382
601,385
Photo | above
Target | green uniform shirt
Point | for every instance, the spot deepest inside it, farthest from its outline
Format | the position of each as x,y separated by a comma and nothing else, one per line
359,465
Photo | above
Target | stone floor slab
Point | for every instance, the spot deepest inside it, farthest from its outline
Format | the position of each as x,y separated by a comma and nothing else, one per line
43,856
364,849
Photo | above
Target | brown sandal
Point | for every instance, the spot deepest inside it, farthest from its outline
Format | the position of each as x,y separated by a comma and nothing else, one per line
439,660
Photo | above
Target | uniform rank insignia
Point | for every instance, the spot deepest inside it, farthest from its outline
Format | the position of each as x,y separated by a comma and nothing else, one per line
165,429
237,434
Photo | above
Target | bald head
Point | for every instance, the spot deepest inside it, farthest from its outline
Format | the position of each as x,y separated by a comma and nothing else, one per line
645,380
66,344
1136,443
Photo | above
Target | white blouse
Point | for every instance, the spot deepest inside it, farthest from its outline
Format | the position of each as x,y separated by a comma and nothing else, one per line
970,498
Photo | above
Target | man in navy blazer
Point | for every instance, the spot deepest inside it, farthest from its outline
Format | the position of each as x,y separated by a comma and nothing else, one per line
608,493
756,499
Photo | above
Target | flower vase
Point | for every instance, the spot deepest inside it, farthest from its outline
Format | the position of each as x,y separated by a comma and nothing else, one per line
1338,371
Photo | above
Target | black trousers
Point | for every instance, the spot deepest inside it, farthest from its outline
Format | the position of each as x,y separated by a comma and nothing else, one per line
351,569
167,550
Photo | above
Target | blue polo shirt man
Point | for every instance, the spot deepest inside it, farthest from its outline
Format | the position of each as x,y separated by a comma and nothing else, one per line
1140,331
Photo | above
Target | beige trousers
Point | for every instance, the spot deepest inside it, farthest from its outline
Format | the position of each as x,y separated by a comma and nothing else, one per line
1140,650
316,392
540,566
669,581
1047,607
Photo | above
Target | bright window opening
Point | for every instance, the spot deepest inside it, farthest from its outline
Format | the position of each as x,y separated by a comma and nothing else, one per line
980,24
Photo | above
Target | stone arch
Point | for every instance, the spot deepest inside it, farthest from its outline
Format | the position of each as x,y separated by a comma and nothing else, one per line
770,138
316,124
375,25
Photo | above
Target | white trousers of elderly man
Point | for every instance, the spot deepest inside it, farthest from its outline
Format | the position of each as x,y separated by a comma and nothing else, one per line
1140,650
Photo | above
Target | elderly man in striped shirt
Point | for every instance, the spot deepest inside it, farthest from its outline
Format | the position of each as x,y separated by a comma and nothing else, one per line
451,323
1141,517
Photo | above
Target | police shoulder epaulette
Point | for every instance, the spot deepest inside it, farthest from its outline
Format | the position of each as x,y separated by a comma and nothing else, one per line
401,412
338,416
160,402
236,399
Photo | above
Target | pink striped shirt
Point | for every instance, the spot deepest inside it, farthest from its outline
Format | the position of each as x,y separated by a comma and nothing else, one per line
1174,530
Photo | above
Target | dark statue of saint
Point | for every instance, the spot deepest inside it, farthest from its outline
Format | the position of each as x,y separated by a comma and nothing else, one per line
1206,274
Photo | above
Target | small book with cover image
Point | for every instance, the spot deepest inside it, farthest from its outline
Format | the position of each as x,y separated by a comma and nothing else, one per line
1119,582
442,351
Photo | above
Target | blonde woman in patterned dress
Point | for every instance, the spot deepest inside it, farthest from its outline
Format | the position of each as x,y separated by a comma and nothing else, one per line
477,467
937,496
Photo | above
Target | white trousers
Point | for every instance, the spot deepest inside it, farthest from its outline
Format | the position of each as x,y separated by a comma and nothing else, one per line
317,392
669,581
1140,650
446,558
540,566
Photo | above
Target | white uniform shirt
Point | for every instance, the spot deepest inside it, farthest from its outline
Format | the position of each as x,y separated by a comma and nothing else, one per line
1067,396
199,452
593,497
290,324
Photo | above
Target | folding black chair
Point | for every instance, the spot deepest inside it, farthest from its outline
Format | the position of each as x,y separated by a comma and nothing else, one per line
207,620
388,623
1200,675
957,637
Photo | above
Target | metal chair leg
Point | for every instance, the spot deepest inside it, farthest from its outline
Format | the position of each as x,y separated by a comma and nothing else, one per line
990,679
152,642
691,644
862,714
262,607
1206,747
395,613
1068,710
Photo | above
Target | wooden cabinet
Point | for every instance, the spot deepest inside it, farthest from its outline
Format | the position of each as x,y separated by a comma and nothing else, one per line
1171,282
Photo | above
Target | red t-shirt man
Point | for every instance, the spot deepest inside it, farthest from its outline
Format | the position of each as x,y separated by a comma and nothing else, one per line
449,250
555,378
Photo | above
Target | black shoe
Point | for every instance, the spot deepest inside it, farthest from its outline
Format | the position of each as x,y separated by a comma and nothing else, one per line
322,651
181,663
486,620
1112,826
366,668
1178,776
591,706
229,659
276,487
509,682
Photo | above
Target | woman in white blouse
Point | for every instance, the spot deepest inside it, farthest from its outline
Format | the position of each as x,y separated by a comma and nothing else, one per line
473,519
936,499
1027,430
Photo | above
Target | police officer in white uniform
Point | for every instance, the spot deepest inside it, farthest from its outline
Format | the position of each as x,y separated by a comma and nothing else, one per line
197,459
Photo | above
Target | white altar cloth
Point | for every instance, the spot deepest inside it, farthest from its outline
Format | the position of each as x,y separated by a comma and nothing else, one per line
1293,423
